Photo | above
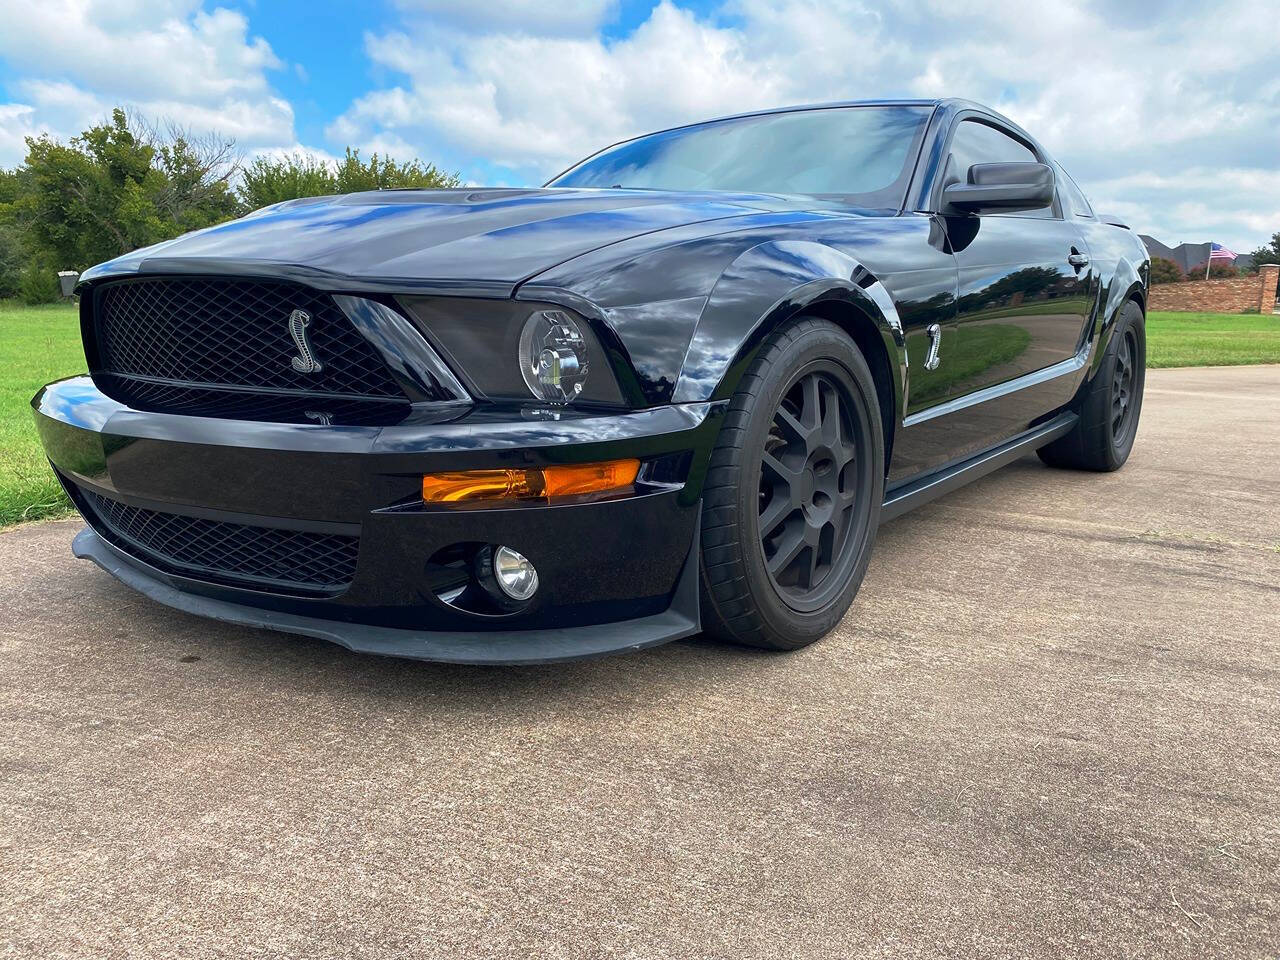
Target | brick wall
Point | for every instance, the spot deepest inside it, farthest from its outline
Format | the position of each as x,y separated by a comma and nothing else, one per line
1269,295
1251,294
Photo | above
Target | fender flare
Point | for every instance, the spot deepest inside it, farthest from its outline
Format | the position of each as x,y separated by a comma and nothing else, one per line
764,287
1128,282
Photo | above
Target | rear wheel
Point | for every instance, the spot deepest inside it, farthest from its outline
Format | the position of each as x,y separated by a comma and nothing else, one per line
1109,409
793,492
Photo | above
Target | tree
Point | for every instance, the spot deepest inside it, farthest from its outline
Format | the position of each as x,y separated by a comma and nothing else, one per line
1268,253
270,180
385,174
11,254
1164,270
128,183
119,186
1217,271
198,172
22,274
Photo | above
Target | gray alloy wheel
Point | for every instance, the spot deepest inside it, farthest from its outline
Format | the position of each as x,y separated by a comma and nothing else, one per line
793,492
1125,399
1111,404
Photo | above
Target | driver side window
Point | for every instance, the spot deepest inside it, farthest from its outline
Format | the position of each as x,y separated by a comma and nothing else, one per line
977,142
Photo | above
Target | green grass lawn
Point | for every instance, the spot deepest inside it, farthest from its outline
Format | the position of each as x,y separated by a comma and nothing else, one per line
1211,339
39,344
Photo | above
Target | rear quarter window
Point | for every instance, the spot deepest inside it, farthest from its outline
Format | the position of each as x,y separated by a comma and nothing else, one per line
1074,196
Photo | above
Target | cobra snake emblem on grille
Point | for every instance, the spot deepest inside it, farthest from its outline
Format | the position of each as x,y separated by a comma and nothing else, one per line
306,361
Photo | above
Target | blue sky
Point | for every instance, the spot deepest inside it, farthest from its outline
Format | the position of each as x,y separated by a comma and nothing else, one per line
1167,114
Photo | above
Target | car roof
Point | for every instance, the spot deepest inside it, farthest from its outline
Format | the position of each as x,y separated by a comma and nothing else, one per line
951,104
797,108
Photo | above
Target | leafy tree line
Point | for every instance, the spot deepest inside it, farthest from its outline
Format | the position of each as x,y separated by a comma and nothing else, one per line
127,183
1268,253
1164,270
273,179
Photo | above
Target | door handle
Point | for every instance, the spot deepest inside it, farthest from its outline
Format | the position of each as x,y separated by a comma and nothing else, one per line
1078,259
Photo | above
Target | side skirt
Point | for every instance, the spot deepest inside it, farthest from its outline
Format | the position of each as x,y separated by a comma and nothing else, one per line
921,490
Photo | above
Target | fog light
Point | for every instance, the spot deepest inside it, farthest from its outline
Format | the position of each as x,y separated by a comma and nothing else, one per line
516,576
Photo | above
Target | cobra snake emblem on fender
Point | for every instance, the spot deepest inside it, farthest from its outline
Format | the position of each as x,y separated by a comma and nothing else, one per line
306,361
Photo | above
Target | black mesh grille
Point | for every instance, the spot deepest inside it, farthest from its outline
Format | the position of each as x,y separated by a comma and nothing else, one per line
263,557
231,332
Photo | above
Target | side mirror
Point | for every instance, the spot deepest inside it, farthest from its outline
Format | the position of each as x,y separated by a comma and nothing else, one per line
1001,188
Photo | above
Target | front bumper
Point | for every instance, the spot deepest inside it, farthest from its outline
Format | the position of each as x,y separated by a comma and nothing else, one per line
616,574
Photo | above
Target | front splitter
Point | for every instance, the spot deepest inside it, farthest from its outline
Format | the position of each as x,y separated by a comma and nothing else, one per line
680,620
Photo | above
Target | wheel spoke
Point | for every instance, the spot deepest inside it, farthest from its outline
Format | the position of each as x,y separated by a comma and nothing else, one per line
786,553
813,576
811,412
831,417
788,475
845,454
779,509
840,520
794,432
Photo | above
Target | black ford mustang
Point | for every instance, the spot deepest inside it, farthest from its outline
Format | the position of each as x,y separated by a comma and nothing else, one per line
677,389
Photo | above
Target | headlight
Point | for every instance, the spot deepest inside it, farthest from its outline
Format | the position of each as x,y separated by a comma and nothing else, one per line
553,357
522,351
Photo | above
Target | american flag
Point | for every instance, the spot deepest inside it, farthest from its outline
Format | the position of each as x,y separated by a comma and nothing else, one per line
1218,252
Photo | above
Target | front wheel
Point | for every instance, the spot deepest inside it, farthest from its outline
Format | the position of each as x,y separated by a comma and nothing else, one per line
793,491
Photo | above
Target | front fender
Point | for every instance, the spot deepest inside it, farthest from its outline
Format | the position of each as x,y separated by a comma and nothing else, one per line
764,287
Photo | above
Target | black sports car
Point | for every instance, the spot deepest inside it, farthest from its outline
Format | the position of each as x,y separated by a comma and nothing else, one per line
676,389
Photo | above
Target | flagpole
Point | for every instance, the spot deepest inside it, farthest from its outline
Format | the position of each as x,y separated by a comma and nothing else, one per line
1208,263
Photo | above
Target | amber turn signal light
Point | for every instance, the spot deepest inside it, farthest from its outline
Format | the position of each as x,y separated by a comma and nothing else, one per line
532,483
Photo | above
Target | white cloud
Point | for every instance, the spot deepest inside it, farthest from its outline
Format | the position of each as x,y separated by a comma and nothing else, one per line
142,49
537,102
17,121
1198,203
1169,115
1115,89
296,150
530,16
175,60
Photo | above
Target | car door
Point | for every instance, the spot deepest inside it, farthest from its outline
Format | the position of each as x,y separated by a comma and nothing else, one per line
1025,290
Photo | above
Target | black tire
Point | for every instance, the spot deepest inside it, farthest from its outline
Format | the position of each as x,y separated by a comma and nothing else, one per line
1111,405
807,408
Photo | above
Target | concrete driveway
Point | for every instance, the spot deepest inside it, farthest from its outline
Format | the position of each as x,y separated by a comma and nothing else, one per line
1049,726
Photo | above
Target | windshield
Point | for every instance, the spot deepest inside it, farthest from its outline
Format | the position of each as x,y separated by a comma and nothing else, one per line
863,155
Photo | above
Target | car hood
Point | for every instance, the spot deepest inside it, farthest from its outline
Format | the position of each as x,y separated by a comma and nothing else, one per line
479,238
